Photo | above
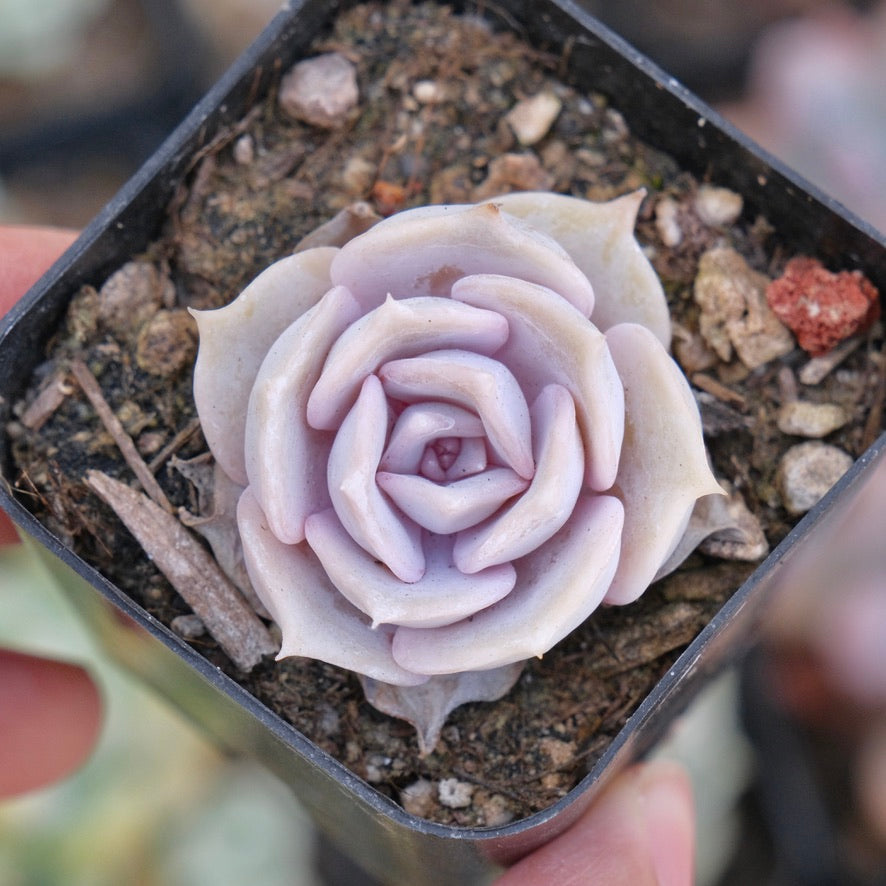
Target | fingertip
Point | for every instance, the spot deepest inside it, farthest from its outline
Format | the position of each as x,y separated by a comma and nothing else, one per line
639,832
25,253
669,817
50,715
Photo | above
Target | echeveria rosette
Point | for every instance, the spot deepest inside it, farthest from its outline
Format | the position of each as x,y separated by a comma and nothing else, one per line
457,435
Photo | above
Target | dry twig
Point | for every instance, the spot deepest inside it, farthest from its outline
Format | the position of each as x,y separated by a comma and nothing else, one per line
124,442
191,571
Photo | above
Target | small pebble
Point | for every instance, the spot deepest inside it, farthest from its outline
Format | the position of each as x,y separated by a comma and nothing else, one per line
358,175
531,118
167,343
418,798
320,90
244,150
132,295
560,753
807,471
717,207
455,794
805,419
188,627
667,222
494,810
514,172
734,312
427,92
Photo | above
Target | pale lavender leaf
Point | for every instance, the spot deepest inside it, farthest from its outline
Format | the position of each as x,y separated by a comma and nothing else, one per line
551,342
347,223
235,339
558,586
471,459
664,466
421,424
393,330
547,504
450,507
363,510
441,596
476,382
314,618
423,252
427,706
282,450
600,239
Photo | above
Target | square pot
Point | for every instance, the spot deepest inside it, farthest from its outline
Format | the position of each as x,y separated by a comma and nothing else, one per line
388,842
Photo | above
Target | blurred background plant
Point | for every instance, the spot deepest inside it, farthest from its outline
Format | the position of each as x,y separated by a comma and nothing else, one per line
88,89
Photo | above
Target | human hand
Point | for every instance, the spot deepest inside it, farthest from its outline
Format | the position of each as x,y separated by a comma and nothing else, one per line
49,711
640,832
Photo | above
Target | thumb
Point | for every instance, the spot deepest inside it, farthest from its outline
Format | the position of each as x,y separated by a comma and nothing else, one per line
639,833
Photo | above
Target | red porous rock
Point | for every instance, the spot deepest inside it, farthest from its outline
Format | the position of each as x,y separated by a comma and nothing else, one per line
820,307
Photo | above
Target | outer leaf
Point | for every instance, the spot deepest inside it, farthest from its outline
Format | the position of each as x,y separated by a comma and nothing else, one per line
423,252
664,467
600,239
427,706
285,457
234,341
316,621
558,586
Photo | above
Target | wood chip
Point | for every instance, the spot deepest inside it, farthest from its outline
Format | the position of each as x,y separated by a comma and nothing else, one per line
818,368
174,444
717,389
124,442
51,396
190,570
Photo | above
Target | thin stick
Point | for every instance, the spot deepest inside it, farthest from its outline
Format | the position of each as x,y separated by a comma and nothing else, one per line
124,442
174,444
190,570
717,389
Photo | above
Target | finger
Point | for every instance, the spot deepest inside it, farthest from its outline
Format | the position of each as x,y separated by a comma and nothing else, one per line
50,714
25,253
639,833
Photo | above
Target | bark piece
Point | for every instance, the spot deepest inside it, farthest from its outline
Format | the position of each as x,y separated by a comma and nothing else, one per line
191,571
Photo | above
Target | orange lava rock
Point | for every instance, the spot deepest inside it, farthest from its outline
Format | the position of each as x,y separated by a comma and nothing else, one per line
820,307
388,197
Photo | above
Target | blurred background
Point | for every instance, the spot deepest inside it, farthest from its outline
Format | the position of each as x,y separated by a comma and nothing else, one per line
88,89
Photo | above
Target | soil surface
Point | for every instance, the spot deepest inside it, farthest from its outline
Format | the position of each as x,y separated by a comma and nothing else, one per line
430,126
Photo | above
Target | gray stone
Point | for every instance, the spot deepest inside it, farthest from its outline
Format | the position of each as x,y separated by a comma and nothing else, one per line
455,794
807,471
531,118
718,206
805,419
320,90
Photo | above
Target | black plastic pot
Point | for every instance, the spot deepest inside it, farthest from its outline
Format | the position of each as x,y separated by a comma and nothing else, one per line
391,844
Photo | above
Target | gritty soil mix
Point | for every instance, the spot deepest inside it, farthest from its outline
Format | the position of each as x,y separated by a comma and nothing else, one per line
430,126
